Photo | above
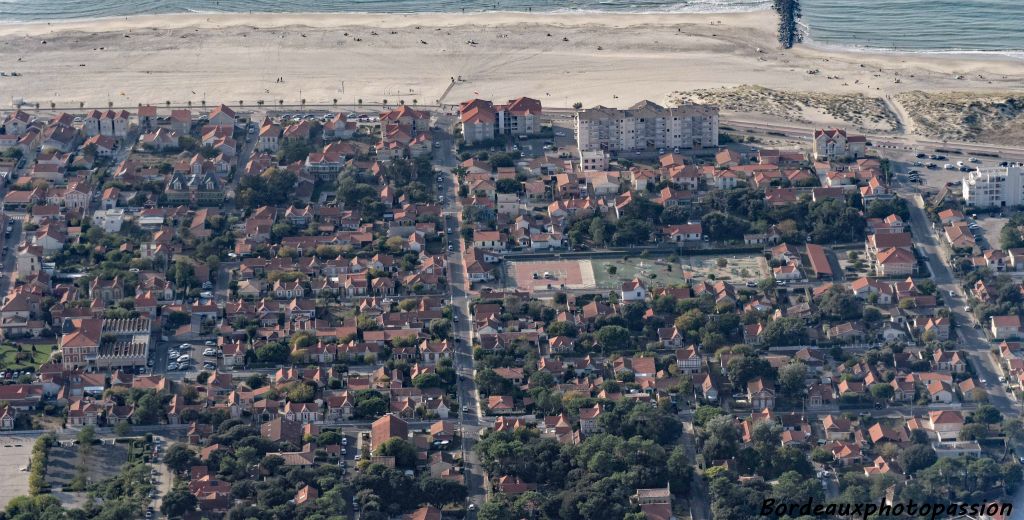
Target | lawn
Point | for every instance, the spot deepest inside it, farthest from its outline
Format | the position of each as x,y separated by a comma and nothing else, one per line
12,359
652,272
656,272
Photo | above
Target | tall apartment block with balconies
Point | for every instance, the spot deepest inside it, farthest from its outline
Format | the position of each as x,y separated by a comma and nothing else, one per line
647,126
994,187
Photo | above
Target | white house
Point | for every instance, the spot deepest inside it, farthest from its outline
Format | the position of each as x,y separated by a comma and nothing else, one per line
633,290
834,143
109,220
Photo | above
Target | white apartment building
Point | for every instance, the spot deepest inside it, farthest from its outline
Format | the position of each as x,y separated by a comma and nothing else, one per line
647,126
999,187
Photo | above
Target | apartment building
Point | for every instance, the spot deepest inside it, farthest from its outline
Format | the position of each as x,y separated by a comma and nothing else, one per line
482,120
994,187
647,126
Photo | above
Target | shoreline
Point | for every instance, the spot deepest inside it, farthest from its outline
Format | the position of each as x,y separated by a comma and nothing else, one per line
567,18
388,20
809,41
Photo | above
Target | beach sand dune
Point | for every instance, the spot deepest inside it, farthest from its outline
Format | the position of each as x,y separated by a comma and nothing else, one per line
609,59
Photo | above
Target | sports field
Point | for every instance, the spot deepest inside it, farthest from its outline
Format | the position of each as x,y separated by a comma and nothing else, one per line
609,274
543,275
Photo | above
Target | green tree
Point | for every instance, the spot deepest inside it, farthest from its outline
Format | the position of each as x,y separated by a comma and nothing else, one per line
598,230
916,457
705,413
561,328
612,338
881,391
721,438
369,404
839,303
785,331
680,471
745,368
791,378
439,491
179,458
987,414
122,428
86,436
403,452
178,502
508,186
441,328
272,352
427,380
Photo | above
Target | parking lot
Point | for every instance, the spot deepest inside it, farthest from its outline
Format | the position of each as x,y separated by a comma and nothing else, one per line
939,175
15,452
991,227
196,356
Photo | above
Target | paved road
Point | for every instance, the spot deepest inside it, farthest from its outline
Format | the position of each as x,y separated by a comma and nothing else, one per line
972,340
470,411
879,140
8,262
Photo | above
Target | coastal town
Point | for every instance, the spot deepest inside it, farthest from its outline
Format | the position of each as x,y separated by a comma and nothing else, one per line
499,309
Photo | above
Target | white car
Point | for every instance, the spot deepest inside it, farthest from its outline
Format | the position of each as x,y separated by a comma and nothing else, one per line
172,366
184,358
210,352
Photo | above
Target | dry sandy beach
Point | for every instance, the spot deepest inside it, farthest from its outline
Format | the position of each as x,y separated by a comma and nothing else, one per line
610,59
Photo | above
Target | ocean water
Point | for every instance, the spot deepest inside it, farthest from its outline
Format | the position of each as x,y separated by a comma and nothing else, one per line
901,25
918,25
46,10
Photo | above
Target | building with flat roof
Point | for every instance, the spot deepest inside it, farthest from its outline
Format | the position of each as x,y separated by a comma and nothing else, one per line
647,126
994,187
